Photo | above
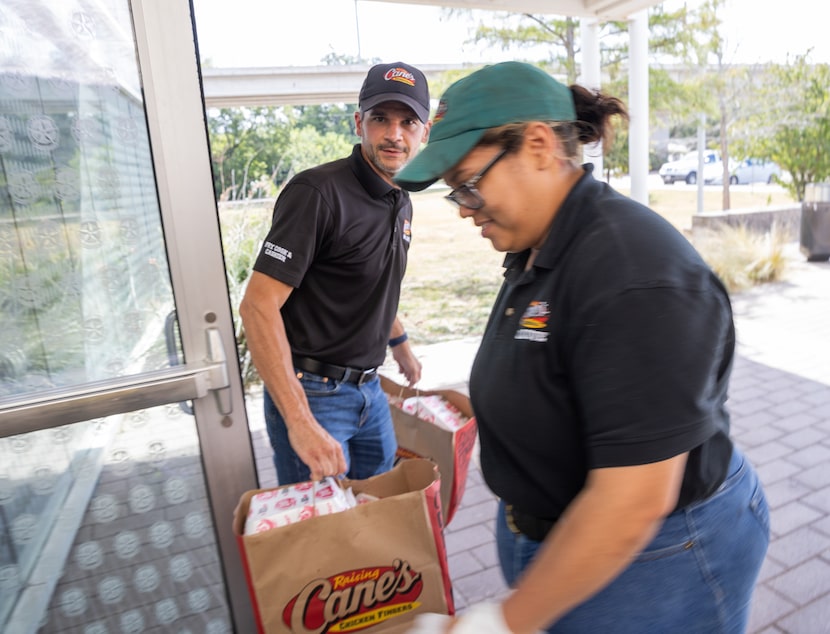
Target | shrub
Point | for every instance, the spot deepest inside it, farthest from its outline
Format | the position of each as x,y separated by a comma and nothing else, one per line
243,226
743,258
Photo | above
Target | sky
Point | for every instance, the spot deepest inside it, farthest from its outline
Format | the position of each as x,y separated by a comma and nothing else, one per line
268,33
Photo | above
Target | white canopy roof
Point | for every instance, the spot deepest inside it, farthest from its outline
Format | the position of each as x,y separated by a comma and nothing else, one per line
600,9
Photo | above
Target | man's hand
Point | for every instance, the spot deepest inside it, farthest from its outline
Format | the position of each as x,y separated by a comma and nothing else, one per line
408,363
318,450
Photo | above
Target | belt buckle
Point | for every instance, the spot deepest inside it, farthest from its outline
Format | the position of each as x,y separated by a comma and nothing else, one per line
365,376
511,523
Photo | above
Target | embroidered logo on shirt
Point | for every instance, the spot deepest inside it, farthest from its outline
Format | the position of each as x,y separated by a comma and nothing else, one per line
278,253
533,322
407,230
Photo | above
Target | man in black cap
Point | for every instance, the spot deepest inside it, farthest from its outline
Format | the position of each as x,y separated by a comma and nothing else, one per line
321,305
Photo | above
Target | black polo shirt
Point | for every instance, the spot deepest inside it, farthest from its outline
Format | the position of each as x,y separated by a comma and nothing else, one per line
614,349
340,237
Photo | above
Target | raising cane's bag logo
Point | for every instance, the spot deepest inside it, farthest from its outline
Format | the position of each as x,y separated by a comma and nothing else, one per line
354,599
400,74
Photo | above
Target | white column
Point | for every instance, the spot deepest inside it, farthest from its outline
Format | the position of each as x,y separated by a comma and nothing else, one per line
701,146
638,105
590,78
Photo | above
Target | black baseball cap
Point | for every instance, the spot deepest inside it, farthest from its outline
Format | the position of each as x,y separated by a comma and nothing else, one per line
396,82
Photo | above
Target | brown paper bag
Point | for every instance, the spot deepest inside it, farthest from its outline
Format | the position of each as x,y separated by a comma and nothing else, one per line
450,450
370,568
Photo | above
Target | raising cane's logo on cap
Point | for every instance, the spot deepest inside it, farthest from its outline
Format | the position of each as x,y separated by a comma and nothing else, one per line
354,599
400,74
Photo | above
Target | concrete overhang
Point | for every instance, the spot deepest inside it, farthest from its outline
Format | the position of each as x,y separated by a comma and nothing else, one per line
291,85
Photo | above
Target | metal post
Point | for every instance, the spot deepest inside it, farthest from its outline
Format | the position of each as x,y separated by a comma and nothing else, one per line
638,106
591,78
701,148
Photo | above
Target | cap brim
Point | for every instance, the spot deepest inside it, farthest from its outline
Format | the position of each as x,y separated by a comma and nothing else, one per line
421,112
436,159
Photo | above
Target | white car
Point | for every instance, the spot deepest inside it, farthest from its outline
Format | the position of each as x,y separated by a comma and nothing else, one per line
750,170
685,168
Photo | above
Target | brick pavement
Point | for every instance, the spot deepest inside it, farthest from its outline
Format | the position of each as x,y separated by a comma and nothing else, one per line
780,404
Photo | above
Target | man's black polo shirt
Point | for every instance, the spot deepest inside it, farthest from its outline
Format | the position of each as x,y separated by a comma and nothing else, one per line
614,349
340,237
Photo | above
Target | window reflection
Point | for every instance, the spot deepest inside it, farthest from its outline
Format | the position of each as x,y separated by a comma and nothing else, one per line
105,527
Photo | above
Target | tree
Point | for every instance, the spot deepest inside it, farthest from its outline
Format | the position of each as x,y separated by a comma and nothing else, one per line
527,31
244,143
253,149
616,157
307,147
675,36
793,127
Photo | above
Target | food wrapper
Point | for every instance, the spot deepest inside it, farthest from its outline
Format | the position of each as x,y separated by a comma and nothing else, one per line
295,503
435,409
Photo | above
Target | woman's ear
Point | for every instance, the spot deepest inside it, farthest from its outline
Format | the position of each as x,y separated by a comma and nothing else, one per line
540,143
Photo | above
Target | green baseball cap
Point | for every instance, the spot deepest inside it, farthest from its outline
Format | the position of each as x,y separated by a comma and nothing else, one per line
508,92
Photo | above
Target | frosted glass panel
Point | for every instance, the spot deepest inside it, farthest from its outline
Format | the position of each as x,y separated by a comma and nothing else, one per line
84,283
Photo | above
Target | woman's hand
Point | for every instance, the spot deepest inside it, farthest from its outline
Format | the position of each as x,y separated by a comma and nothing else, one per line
482,618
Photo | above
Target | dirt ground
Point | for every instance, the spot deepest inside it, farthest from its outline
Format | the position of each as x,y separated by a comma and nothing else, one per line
454,273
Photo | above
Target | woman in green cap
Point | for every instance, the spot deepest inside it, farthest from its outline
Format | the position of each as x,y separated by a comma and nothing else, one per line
600,385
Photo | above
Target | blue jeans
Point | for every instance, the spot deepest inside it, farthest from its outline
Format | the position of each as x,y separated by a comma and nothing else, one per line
696,576
356,416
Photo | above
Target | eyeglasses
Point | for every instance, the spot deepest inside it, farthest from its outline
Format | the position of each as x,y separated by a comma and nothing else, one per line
466,194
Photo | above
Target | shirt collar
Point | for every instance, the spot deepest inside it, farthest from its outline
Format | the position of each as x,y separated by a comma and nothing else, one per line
368,178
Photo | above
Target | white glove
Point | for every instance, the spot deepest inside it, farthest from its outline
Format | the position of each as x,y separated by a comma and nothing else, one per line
430,623
482,618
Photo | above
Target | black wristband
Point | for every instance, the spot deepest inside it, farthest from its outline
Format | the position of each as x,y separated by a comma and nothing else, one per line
396,341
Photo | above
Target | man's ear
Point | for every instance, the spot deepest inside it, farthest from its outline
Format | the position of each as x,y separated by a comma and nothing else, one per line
358,124
427,128
540,143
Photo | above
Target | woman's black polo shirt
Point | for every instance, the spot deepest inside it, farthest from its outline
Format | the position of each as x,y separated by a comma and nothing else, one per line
615,349
340,237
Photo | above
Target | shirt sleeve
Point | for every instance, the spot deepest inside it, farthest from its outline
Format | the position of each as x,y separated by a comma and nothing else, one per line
300,224
650,370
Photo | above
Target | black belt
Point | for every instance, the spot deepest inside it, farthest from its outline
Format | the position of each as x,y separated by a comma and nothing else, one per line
536,528
336,372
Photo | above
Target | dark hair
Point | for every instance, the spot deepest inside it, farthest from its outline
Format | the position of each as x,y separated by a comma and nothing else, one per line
594,110
593,114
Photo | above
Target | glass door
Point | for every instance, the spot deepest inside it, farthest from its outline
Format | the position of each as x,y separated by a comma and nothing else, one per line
124,443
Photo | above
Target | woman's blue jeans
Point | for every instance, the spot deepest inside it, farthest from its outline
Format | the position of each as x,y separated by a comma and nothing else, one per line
356,416
695,577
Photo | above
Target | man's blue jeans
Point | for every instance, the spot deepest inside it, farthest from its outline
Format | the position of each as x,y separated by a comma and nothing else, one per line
356,416
696,576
